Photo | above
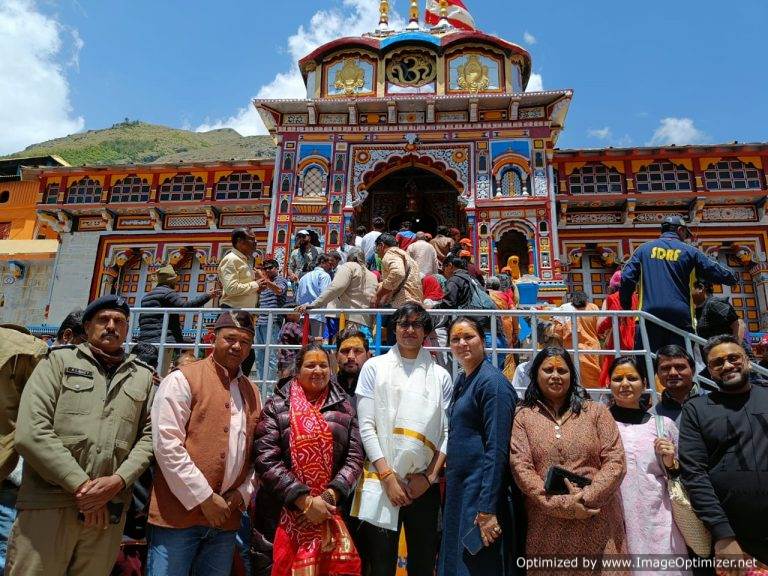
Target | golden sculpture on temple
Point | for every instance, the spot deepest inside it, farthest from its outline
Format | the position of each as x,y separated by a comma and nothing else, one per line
350,78
384,15
473,75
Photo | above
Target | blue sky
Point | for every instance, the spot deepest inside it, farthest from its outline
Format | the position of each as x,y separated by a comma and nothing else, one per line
643,73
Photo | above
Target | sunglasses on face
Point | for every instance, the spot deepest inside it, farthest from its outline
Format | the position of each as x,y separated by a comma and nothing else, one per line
733,359
416,325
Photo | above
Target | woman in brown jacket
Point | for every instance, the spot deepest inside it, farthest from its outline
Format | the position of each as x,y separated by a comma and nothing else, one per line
557,425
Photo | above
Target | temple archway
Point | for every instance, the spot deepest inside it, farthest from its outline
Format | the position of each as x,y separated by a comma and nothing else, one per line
424,197
513,243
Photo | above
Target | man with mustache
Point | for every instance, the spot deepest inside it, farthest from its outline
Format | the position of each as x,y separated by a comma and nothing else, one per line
352,351
723,443
84,432
203,422
675,368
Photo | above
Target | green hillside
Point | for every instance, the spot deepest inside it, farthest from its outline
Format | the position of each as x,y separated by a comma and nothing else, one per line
140,143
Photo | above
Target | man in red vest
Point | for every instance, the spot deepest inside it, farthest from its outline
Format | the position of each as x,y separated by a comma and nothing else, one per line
203,421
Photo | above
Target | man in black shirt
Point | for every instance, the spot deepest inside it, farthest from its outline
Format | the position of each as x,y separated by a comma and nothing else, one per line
724,454
715,315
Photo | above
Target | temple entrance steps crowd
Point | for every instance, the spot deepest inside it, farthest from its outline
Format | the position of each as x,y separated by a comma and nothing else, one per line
497,439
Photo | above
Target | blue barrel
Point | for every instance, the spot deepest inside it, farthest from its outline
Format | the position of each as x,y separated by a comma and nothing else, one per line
529,293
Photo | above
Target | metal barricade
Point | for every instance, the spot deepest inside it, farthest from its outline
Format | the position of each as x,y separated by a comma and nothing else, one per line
378,319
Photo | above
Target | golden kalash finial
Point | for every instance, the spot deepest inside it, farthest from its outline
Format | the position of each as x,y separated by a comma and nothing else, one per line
383,16
413,24
443,14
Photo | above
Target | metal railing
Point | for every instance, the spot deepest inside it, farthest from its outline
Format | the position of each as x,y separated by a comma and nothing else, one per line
533,317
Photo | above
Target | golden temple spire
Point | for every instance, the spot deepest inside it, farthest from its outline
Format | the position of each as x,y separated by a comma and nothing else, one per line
413,24
443,14
383,16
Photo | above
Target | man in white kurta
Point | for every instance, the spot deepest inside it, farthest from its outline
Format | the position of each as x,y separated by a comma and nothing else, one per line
402,398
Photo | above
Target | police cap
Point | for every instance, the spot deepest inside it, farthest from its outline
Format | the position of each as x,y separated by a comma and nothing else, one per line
108,302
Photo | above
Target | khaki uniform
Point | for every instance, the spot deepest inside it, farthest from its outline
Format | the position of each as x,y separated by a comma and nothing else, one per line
75,424
19,354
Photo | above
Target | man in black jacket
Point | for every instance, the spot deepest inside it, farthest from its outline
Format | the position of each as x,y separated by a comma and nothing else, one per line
723,448
164,295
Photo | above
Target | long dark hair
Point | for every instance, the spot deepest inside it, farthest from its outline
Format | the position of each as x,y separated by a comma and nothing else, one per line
577,396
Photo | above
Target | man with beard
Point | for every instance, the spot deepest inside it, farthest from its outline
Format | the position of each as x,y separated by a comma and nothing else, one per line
723,443
84,432
352,351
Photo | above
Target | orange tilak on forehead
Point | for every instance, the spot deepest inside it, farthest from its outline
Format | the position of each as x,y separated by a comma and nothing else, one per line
463,331
624,370
556,362
354,342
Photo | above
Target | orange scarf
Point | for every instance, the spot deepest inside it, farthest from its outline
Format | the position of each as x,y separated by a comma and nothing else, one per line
301,548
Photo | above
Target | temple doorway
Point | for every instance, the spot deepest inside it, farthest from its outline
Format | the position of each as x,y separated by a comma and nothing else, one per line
420,196
512,243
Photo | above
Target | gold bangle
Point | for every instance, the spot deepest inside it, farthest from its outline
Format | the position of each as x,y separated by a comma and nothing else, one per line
308,506
386,474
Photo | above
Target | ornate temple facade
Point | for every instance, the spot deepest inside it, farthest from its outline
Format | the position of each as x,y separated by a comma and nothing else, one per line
117,224
429,124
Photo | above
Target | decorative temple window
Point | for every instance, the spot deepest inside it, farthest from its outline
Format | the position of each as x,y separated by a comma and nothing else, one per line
732,175
596,179
51,195
474,73
285,183
182,187
556,180
334,239
284,205
663,177
130,189
351,75
313,182
511,184
132,281
239,186
84,191
412,73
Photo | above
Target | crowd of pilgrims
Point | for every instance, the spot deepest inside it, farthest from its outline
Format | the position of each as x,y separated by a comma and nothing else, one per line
352,449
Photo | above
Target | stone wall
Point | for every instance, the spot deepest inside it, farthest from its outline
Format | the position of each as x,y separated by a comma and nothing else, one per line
23,300
73,274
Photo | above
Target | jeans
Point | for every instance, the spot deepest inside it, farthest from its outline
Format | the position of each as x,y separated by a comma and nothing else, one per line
8,494
243,541
197,550
421,522
261,338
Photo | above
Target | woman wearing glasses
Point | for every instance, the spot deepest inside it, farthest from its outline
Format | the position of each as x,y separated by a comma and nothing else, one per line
402,399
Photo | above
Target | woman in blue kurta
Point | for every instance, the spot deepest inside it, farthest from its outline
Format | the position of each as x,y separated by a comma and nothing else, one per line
478,482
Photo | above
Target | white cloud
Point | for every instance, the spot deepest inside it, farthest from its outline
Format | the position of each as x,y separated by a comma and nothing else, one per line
354,18
34,90
529,38
600,133
678,131
535,83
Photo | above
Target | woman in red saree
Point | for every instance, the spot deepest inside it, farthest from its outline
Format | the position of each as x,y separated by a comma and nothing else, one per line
309,456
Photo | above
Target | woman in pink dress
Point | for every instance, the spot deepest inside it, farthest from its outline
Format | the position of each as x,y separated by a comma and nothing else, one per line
650,457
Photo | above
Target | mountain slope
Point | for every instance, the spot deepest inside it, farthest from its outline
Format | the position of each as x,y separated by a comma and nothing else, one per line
142,143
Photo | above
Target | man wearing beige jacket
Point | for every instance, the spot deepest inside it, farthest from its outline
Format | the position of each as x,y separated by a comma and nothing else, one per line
353,285
239,285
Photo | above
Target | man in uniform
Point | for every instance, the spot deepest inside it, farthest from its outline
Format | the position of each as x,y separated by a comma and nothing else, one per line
665,269
19,354
84,432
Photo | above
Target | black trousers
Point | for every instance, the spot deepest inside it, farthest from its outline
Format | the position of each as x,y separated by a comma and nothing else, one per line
658,336
250,360
421,523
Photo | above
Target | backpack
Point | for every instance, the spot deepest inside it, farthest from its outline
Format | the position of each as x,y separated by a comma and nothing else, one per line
478,298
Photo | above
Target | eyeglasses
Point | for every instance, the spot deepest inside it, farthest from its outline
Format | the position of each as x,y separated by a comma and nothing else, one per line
416,325
734,359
